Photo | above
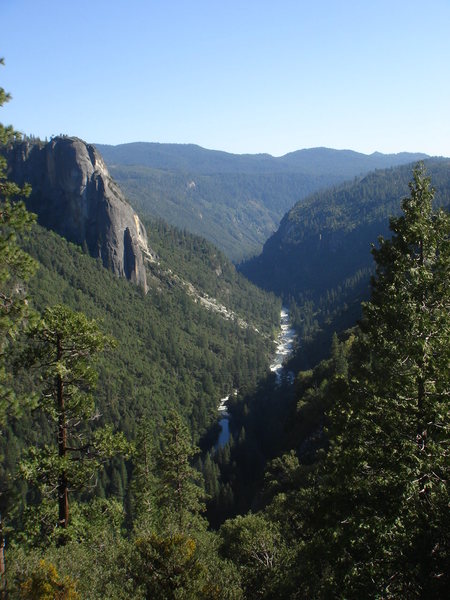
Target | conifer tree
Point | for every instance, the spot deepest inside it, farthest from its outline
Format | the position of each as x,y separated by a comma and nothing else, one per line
376,520
167,561
16,266
141,501
404,387
178,493
64,344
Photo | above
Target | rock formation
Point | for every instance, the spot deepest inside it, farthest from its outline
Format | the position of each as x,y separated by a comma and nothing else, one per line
74,195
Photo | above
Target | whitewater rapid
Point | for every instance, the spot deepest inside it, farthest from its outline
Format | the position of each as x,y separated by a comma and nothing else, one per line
284,346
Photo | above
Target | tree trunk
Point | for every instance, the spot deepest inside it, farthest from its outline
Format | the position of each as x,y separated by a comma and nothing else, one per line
63,492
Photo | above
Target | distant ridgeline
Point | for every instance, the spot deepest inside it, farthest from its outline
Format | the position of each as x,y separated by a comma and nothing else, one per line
235,201
319,259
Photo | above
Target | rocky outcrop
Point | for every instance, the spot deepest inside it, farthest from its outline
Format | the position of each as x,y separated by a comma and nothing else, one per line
74,195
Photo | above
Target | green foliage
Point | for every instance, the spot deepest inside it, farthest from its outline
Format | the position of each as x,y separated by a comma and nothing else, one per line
254,544
168,567
319,259
401,394
167,490
172,351
173,554
16,266
89,556
96,555
370,519
167,341
197,261
63,343
141,501
182,566
178,487
244,461
63,346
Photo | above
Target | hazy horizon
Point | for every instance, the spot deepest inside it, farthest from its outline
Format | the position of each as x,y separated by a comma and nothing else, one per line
244,78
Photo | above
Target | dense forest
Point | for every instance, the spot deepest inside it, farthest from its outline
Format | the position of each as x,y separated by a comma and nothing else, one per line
334,486
235,201
319,258
171,350
190,157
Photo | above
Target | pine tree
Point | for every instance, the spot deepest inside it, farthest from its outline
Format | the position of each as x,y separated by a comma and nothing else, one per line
16,266
167,560
63,346
142,502
376,522
211,474
404,387
178,493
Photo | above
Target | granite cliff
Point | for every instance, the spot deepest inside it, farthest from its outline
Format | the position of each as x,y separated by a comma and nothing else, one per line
74,195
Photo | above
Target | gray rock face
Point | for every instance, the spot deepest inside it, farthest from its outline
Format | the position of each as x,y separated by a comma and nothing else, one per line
74,195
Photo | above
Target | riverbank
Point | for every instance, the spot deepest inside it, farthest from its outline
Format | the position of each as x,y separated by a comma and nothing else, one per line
284,346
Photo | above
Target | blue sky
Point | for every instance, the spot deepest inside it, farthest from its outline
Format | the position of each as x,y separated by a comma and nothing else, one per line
241,76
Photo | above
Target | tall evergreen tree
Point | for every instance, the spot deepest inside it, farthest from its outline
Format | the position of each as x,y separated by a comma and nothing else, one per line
178,493
63,346
375,523
16,266
169,559
404,387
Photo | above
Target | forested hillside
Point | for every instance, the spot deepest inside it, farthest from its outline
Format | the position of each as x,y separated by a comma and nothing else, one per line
361,511
180,351
235,211
319,259
235,201
176,346
334,480
189,157
354,501
93,368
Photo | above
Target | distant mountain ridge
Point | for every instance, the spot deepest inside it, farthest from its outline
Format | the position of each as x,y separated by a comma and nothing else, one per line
235,201
340,162
194,158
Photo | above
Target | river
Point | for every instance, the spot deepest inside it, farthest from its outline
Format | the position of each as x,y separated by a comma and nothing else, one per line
284,346
224,423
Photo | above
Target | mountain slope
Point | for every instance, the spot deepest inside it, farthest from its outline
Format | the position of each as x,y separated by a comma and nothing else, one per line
199,332
320,255
235,201
236,212
173,351
193,158
202,323
193,333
